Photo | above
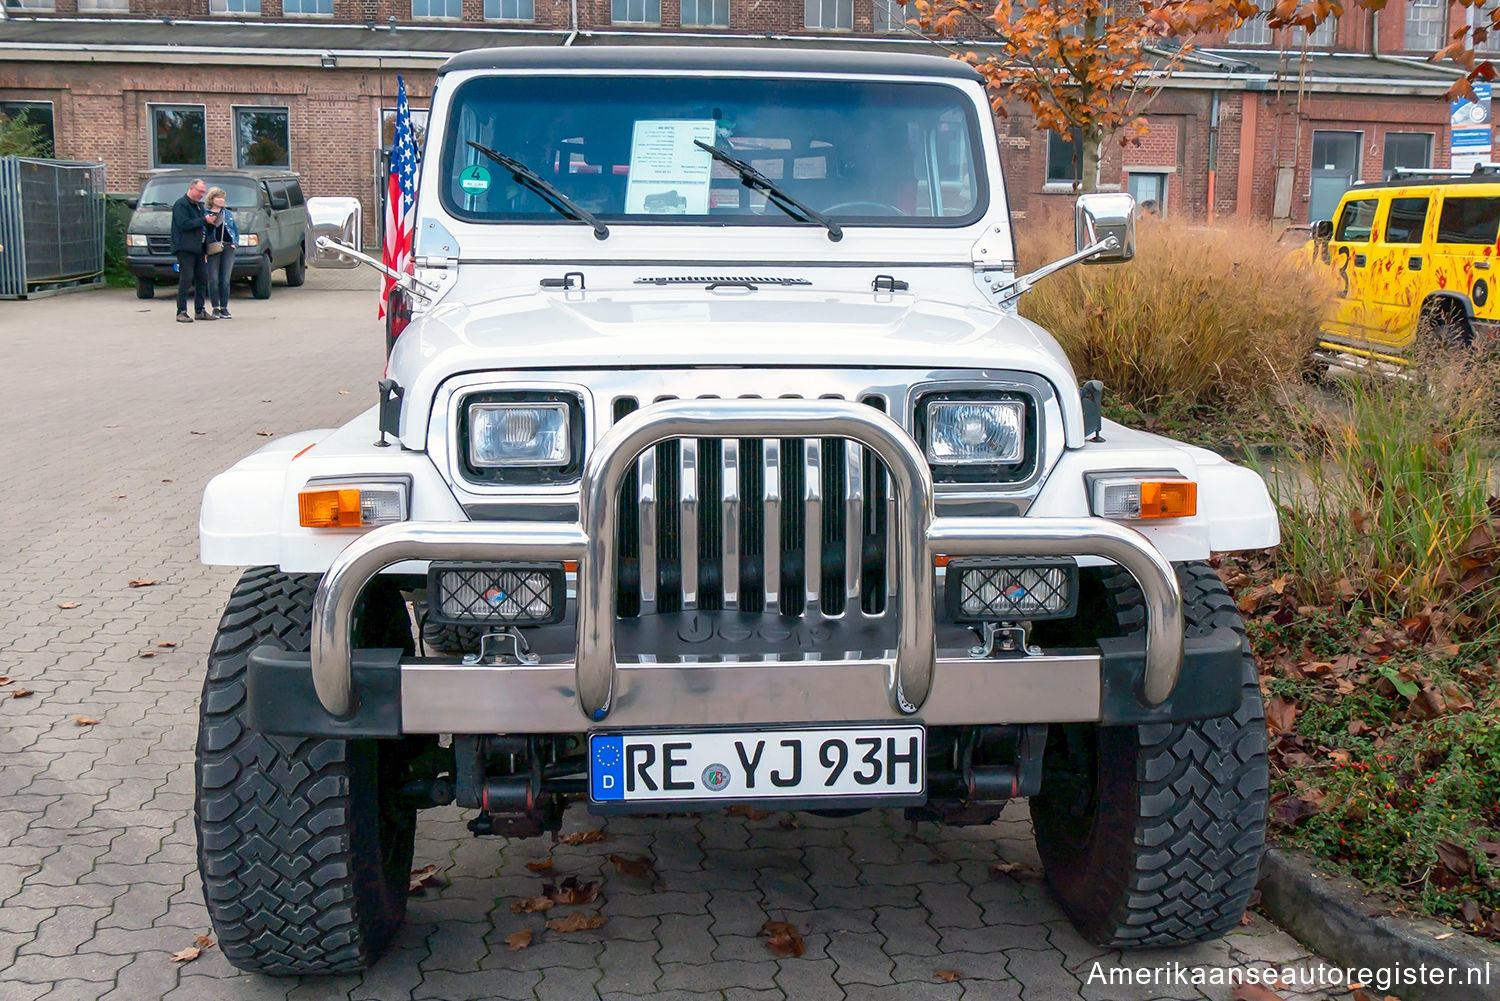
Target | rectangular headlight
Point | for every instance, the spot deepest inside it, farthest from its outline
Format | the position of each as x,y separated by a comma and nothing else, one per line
135,239
519,434
976,432
503,594
249,240
988,590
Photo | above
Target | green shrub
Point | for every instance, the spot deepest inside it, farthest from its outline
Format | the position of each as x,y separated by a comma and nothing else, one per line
1200,318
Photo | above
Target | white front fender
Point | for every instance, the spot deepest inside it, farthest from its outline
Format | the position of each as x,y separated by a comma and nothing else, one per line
1235,512
249,514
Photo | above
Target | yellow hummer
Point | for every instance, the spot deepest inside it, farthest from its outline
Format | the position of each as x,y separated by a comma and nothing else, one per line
1413,264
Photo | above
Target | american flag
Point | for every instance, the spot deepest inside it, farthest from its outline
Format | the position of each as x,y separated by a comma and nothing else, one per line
400,199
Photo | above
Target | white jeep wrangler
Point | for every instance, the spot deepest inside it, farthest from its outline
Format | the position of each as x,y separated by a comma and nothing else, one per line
714,465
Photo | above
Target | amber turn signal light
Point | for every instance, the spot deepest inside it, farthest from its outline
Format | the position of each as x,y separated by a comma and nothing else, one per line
1169,499
331,508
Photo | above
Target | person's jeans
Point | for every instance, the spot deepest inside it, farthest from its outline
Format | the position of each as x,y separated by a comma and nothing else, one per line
191,277
220,267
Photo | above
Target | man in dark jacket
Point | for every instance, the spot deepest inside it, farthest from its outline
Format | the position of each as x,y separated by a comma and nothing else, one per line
188,222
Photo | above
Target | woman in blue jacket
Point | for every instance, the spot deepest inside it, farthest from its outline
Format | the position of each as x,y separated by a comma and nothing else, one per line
223,235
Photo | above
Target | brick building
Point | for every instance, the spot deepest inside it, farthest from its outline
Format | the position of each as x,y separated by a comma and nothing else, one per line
1254,124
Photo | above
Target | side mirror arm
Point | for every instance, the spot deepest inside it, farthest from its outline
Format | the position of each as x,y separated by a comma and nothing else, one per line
410,283
1019,286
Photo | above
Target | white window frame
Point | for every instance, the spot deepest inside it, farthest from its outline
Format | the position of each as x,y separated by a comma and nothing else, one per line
42,5
698,8
1431,138
308,13
234,125
1251,31
222,8
25,103
889,17
812,15
1426,25
646,12
500,6
1323,36
437,17
151,110
104,6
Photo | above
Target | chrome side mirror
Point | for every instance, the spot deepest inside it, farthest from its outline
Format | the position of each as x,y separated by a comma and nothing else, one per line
340,219
1099,216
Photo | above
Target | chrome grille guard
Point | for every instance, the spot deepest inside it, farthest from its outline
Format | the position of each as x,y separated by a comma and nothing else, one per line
919,537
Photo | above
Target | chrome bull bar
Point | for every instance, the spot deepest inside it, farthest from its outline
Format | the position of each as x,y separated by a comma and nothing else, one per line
919,537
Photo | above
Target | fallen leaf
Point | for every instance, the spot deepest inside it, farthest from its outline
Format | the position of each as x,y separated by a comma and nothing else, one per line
147,654
787,823
264,434
1470,910
343,392
1281,714
67,604
516,941
1439,938
1455,858
577,921
747,811
1019,870
628,866
197,432
1254,992
166,481
5,680
570,892
531,905
186,955
422,877
21,693
167,644
947,976
143,582
111,425
1246,919
203,942
541,866
782,939
1293,810
581,837
85,720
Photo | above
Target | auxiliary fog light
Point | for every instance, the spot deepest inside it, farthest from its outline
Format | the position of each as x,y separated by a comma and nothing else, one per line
351,505
503,594
1131,498
1010,590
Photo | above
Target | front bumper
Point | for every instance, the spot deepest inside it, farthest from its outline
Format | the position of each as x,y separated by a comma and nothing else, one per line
163,267
1125,682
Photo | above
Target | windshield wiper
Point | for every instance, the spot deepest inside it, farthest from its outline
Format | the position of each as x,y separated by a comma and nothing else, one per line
529,178
753,178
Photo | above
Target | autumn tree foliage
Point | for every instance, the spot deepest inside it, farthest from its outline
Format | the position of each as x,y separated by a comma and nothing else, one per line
1087,69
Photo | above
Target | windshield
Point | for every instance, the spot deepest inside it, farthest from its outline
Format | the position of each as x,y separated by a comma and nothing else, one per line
623,148
161,192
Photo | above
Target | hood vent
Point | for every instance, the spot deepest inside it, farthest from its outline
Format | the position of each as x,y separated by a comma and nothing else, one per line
720,280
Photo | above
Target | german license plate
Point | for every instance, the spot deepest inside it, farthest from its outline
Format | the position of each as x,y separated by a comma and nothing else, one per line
824,763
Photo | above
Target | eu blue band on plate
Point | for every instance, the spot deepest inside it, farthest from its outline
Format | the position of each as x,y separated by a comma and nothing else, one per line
607,768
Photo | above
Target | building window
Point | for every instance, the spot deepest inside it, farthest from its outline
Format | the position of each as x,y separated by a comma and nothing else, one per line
1251,31
1064,159
308,8
418,127
635,11
1149,189
1426,24
509,10
30,5
234,6
37,115
437,9
829,15
177,136
262,137
1412,150
706,13
1322,36
103,6
890,16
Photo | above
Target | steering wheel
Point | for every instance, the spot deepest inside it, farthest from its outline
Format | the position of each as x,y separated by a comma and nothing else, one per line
881,208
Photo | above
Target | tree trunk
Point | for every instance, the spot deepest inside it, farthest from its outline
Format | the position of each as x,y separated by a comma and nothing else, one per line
1089,168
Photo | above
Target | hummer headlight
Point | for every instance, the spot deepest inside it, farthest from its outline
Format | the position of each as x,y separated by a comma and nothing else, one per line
519,435
973,432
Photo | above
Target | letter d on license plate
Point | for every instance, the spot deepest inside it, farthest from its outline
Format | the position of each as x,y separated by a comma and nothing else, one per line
831,763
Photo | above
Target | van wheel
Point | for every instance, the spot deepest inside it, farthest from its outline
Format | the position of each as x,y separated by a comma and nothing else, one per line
296,273
1151,835
145,288
260,285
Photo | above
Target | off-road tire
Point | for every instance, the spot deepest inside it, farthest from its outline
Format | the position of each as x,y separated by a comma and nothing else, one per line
296,272
439,637
145,288
1163,846
260,284
304,850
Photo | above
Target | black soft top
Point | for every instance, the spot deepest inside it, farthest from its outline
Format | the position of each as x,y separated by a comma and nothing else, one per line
668,59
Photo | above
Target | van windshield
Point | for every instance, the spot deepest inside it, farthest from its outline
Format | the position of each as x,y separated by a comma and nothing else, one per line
626,149
240,194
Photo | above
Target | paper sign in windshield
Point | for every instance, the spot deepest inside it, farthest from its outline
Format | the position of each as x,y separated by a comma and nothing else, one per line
668,174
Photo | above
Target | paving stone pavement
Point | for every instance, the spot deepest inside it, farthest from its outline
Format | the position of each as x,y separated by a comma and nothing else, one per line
114,417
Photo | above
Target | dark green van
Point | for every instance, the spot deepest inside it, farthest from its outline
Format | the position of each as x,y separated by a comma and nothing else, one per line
269,209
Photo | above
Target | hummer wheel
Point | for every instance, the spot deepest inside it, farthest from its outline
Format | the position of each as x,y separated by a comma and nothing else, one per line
304,850
1152,835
